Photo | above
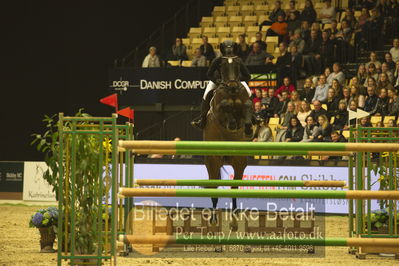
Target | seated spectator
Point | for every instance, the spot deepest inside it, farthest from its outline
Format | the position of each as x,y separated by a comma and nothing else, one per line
352,107
341,116
362,74
257,56
292,9
389,61
334,28
385,70
374,60
336,74
294,23
282,105
308,90
271,103
152,59
345,32
383,82
258,95
297,40
264,132
327,72
372,30
371,100
332,102
179,50
337,87
395,50
305,30
207,49
304,112
287,86
346,95
391,123
321,90
243,47
311,130
317,27
311,55
277,11
335,136
317,111
262,44
309,13
278,28
283,64
326,49
350,18
371,73
356,96
285,119
382,104
365,122
360,36
198,60
327,13
258,112
296,64
295,131
355,82
393,104
296,101
325,127
372,83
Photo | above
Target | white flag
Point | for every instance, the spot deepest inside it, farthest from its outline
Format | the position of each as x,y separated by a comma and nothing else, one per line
361,113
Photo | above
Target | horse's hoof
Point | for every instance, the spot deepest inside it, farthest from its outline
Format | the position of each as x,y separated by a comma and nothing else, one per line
213,220
233,226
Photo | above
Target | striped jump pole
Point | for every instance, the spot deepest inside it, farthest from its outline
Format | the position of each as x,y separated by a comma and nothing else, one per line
234,193
187,240
181,147
238,183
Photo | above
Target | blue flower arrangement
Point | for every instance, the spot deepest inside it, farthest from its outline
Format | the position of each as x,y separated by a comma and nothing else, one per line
44,218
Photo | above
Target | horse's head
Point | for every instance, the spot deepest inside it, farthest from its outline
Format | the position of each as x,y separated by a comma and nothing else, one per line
230,74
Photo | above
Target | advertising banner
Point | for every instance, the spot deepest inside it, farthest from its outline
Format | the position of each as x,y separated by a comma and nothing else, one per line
11,176
35,187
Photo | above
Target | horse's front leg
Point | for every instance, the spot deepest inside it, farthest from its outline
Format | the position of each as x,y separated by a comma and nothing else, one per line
239,164
213,164
227,108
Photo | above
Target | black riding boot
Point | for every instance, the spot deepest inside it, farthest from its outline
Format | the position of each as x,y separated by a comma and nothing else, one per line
205,106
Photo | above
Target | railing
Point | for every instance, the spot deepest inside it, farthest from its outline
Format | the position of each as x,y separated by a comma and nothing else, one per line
177,26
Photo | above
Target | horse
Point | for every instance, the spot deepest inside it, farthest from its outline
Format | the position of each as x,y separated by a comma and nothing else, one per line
229,119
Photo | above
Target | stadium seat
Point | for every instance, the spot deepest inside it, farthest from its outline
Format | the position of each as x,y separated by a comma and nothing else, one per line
194,33
262,18
214,42
186,41
174,63
358,14
233,10
264,29
252,30
375,119
223,32
221,21
301,5
324,106
196,42
235,21
270,47
387,118
332,119
261,10
250,20
206,22
252,39
346,134
273,39
237,31
186,63
318,5
273,121
209,31
219,11
247,10
232,3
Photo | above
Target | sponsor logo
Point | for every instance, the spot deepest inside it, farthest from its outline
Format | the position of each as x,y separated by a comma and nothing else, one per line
177,84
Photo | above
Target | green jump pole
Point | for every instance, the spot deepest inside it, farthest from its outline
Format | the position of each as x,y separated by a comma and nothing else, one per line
241,183
262,193
165,239
237,145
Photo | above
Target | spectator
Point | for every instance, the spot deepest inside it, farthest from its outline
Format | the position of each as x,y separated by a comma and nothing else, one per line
281,107
294,131
258,112
294,23
355,82
326,49
311,130
337,87
393,104
312,54
346,94
371,74
305,30
304,112
257,56
385,70
357,97
327,71
287,86
277,11
179,50
325,127
296,101
389,61
262,44
278,28
352,107
391,123
383,82
296,64
396,76
336,74
198,60
292,10
152,59
365,122
371,100
308,91
374,60
321,90
332,102
327,13
243,47
298,41
341,116
373,29
207,49
345,33
395,50
309,13
350,18
271,103
283,64
317,27
285,122
258,95
335,136
264,133
317,111
362,74
382,104
372,83
334,28
360,36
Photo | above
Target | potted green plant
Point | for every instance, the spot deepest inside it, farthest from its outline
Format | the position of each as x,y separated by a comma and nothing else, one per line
46,221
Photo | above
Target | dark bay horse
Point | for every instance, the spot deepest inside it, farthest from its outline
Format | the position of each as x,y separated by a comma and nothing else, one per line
229,119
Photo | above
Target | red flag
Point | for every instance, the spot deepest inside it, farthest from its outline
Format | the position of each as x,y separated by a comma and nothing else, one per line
127,112
111,100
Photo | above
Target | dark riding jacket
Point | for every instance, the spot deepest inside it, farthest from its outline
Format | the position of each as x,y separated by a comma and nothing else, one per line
214,70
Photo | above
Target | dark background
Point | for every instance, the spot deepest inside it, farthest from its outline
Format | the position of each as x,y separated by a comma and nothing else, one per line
55,58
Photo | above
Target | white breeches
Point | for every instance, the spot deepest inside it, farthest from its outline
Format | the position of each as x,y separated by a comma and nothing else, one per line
211,86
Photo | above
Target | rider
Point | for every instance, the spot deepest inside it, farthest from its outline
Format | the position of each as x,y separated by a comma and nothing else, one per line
229,50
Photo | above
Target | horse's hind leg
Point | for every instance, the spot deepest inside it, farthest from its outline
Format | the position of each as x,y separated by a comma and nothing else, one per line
239,164
213,164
